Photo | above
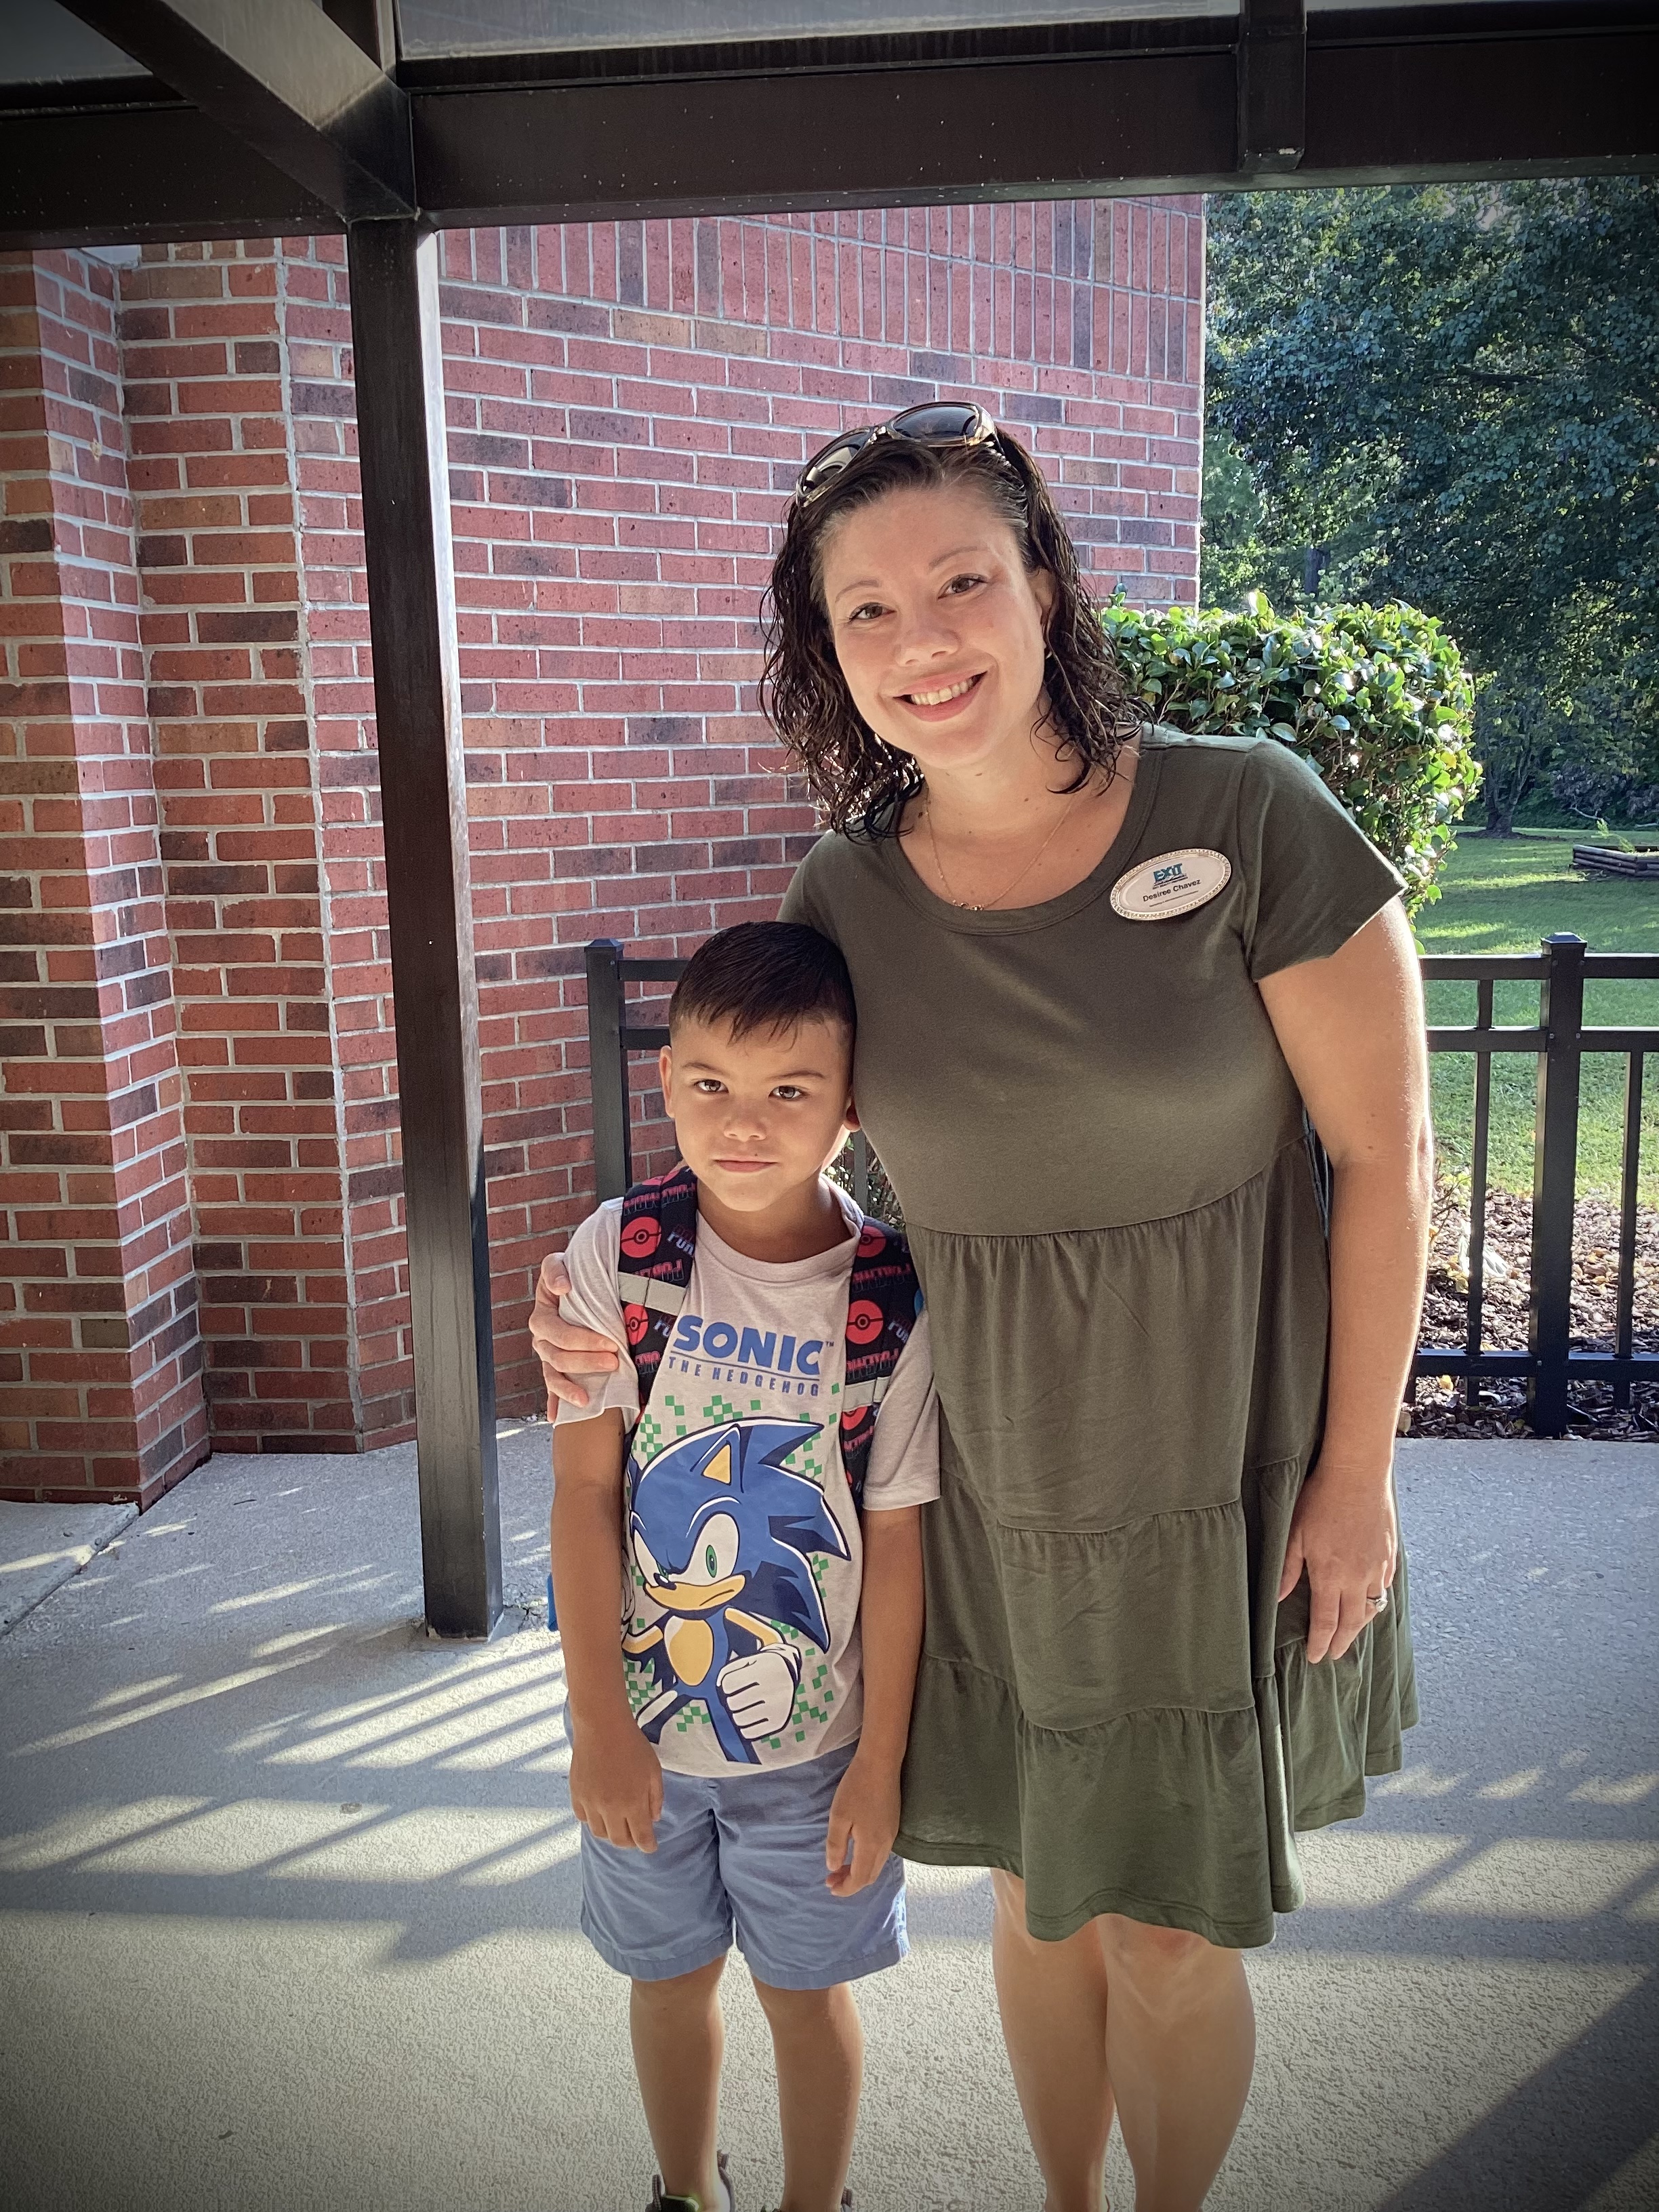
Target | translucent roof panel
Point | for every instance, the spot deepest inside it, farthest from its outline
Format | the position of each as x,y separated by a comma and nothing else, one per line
42,43
429,29
1331,7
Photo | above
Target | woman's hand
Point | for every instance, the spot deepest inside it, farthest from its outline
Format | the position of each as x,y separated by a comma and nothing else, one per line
1344,1533
565,1351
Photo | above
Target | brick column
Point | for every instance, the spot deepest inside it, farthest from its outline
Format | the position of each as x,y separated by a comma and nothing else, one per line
212,478
100,1384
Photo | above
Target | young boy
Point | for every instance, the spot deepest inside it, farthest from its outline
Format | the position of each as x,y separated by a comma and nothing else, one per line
737,1739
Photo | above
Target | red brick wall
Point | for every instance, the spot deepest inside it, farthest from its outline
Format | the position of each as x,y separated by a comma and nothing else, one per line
99,1383
628,405
212,472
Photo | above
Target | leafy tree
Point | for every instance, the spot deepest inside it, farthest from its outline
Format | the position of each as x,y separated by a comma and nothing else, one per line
1452,388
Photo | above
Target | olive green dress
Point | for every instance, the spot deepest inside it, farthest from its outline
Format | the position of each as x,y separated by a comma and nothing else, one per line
1101,1157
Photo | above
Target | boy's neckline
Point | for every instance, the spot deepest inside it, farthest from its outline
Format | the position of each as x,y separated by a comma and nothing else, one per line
838,1223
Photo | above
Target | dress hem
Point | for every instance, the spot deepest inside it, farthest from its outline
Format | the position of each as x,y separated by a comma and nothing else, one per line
1056,1927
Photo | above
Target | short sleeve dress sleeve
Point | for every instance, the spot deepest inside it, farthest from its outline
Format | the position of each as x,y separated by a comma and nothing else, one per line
801,901
1312,876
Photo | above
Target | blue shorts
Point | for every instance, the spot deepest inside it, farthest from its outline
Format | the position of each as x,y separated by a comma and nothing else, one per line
742,1851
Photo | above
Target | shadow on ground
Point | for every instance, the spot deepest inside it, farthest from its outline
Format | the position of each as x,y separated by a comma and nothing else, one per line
289,1893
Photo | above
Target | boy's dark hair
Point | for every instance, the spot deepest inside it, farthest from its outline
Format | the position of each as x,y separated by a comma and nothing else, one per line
764,975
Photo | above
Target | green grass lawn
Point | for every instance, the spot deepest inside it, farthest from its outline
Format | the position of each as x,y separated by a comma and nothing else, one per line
1502,894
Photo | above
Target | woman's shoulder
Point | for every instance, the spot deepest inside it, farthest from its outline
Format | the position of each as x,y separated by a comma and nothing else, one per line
1249,766
1223,749
839,866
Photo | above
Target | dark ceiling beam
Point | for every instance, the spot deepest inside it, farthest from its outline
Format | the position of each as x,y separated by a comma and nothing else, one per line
1487,108
144,175
1083,128
1272,85
1379,110
865,138
285,80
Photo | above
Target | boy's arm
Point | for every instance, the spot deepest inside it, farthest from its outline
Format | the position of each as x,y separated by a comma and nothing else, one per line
615,1779
865,1812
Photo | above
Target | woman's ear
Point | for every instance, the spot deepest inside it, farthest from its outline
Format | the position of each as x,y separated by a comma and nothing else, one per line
1046,593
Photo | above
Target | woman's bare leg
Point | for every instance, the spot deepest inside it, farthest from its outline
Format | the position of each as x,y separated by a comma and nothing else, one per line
1051,1998
817,2042
1180,2045
679,2037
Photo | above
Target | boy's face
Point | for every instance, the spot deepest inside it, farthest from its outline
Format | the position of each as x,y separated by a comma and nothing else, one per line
758,1116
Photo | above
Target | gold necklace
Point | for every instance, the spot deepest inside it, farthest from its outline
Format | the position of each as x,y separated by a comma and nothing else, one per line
973,906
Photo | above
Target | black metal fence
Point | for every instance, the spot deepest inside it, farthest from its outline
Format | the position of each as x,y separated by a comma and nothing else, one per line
1557,1041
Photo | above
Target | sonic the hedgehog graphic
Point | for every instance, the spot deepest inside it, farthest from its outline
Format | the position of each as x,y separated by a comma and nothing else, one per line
717,1518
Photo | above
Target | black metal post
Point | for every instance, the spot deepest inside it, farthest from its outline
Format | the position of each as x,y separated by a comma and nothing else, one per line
1474,1332
1555,1169
411,604
1629,1190
613,1162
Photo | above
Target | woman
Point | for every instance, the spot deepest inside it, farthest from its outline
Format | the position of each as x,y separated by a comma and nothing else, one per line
1101,970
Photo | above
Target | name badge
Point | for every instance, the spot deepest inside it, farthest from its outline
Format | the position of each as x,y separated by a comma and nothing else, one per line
1173,884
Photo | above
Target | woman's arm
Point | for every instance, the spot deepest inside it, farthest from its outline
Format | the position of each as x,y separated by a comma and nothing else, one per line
1350,1028
566,1349
866,1811
615,1779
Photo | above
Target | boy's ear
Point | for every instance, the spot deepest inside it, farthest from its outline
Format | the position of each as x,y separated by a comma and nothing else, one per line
666,1073
850,1112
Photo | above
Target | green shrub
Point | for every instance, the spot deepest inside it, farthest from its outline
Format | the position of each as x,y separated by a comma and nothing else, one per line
1376,698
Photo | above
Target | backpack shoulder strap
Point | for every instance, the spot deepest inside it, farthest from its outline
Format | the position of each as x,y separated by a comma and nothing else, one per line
882,1300
658,1245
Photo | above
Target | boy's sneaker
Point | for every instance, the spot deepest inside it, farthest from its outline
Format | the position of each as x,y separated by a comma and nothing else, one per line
661,2202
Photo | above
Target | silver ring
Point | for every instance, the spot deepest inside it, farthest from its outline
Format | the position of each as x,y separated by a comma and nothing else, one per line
1378,1601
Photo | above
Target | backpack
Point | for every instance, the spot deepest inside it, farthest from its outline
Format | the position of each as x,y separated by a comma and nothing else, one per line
658,1245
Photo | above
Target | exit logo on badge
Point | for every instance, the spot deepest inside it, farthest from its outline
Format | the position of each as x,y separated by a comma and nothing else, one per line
1172,884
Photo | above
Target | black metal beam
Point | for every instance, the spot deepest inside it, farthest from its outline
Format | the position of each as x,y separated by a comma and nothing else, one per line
285,80
1272,85
858,138
411,605
1557,93
144,174
1133,123
1561,106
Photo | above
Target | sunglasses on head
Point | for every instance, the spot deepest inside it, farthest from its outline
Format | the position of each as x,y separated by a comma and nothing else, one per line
935,424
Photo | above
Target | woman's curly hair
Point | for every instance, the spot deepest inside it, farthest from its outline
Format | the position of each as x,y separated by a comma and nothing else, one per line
858,780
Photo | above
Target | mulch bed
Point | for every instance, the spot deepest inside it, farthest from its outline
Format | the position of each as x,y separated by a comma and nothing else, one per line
1439,1409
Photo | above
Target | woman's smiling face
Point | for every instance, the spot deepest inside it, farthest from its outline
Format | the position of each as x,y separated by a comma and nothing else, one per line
938,624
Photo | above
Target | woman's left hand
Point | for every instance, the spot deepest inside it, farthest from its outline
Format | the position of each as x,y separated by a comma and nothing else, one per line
1345,1535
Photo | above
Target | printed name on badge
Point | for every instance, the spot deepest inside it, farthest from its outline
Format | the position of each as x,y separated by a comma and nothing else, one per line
1173,884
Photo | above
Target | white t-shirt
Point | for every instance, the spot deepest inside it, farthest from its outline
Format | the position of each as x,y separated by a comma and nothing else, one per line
744,1556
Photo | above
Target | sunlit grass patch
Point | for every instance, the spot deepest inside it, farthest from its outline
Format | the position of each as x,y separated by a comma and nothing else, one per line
1505,894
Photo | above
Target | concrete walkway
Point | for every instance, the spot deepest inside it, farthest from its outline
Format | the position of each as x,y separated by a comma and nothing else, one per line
288,1893
42,1546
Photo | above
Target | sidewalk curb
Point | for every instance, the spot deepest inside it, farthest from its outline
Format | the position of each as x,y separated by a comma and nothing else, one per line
74,1559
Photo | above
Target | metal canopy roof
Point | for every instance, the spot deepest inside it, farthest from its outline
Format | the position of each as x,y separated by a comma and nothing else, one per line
137,119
